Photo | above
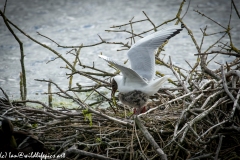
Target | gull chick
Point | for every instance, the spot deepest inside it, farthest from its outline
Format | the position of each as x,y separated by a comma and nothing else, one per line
136,84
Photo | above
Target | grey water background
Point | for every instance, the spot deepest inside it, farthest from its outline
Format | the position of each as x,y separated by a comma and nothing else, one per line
76,22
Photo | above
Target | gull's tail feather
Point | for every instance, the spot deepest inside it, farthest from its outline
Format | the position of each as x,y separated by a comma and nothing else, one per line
156,84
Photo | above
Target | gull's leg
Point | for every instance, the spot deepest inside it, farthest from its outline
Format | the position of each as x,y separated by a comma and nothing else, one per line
137,111
144,109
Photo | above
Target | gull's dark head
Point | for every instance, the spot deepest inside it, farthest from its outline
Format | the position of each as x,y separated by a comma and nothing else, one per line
114,87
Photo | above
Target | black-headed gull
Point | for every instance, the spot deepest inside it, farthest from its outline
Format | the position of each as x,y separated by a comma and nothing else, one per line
136,84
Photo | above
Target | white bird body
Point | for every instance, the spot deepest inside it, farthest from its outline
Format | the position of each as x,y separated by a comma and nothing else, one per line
140,76
148,88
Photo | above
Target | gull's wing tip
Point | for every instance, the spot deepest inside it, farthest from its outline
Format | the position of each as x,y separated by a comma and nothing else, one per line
102,56
165,78
105,58
177,31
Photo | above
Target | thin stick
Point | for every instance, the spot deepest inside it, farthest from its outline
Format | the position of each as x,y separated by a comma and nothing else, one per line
154,27
22,56
150,139
5,5
226,87
236,9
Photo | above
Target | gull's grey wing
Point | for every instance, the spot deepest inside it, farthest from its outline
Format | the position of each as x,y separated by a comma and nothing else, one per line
141,54
129,75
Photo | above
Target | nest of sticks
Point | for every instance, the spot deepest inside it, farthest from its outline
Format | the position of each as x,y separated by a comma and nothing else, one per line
198,118
202,122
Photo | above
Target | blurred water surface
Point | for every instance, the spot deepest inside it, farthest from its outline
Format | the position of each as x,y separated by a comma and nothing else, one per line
76,22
